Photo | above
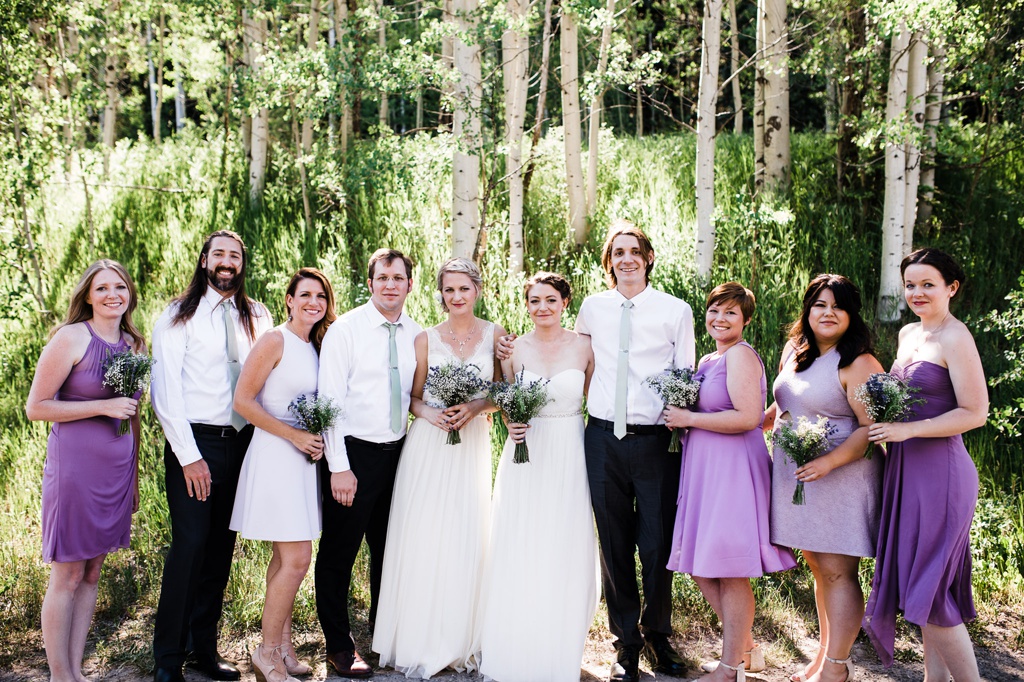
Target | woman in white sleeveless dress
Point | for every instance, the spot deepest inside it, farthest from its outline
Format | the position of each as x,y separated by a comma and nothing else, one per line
540,585
437,533
278,496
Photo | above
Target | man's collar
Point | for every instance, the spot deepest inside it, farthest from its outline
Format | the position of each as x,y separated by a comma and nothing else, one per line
639,298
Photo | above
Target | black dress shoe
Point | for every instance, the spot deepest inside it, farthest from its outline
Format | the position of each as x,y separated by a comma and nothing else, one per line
215,666
663,658
168,675
348,664
627,666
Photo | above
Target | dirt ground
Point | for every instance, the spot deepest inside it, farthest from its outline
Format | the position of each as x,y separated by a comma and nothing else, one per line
1000,660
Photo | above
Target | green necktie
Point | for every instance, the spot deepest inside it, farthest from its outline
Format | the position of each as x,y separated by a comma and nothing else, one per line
622,375
234,366
396,381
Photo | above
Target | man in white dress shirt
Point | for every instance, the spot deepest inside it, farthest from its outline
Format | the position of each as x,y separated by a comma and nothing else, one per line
367,364
199,343
635,331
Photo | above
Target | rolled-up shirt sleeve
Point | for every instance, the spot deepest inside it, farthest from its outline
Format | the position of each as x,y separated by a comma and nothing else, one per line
332,382
685,341
169,344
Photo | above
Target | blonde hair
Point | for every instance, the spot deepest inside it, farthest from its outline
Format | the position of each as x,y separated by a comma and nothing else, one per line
458,266
80,310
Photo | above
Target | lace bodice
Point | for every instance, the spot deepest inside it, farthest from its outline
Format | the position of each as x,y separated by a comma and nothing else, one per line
439,352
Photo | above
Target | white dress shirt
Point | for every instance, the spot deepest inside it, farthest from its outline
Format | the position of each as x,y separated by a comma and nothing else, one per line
191,377
354,371
660,338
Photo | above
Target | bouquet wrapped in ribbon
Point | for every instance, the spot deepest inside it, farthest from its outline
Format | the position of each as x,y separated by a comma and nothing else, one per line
887,398
314,413
803,443
127,372
520,401
678,388
454,383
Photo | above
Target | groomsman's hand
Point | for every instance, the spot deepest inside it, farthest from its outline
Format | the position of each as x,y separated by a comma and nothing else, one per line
343,487
197,479
506,344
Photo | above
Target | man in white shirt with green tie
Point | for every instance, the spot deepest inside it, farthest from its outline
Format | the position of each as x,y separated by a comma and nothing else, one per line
367,363
636,331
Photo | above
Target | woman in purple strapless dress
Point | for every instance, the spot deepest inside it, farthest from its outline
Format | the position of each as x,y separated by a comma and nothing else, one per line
930,485
721,528
90,480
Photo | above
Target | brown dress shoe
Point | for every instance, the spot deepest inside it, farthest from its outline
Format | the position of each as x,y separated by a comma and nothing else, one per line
349,664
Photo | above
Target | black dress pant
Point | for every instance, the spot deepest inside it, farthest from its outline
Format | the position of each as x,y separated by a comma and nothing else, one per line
199,560
343,532
634,485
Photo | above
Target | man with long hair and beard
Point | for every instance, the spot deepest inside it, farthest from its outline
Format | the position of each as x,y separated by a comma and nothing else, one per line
200,343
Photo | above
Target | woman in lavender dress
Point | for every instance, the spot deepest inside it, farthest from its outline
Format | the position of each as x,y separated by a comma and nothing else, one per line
90,480
827,358
930,486
721,528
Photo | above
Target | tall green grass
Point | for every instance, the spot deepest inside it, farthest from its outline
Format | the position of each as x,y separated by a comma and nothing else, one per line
395,192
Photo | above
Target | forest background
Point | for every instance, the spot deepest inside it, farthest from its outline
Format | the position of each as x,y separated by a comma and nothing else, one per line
762,142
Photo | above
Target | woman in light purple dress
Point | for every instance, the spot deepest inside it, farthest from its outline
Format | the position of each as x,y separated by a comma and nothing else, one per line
721,528
90,480
930,486
828,356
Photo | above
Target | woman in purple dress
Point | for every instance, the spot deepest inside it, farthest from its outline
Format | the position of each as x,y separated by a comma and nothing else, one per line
828,356
930,485
90,480
721,528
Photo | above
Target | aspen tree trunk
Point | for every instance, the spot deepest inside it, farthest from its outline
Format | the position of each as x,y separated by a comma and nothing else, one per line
312,35
917,87
515,60
932,118
570,84
110,78
895,179
256,27
542,91
734,67
151,74
179,98
596,107
419,91
382,43
447,62
776,97
759,78
466,131
707,106
340,26
639,110
245,124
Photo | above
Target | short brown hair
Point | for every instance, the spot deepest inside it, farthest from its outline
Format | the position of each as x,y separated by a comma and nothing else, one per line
553,280
734,292
388,256
618,228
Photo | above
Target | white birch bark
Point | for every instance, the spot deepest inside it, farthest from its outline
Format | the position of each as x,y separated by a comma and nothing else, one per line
515,61
179,97
573,128
734,67
382,44
151,74
312,37
340,25
257,29
596,107
760,65
466,131
932,119
707,106
895,179
776,97
917,87
110,78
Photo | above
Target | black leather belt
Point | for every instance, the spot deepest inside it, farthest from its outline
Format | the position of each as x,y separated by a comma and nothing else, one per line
386,447
212,430
631,429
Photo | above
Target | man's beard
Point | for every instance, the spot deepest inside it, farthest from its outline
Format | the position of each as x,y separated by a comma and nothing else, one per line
220,284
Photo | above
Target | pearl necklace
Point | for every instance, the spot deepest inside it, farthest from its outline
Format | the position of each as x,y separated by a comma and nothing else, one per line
462,342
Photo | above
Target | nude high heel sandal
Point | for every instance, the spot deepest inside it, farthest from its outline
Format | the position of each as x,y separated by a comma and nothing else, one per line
850,677
738,669
756,664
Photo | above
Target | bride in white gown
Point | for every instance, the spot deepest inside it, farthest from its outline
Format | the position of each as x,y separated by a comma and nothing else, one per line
540,585
440,516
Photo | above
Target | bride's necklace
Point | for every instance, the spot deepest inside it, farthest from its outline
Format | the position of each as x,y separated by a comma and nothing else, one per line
462,342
